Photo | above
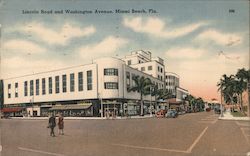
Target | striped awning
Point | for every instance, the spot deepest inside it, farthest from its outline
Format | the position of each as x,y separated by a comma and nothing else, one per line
71,107
11,110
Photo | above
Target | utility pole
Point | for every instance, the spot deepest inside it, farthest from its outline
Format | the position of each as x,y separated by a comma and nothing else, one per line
221,107
100,98
151,101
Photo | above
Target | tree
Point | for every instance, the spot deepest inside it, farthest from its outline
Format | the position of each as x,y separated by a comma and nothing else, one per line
238,88
1,94
162,94
244,77
142,86
227,88
200,103
191,100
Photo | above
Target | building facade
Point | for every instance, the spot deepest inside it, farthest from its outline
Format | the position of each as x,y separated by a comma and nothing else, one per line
172,81
97,89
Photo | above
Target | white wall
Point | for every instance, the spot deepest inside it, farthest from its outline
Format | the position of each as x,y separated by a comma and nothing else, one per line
98,79
85,94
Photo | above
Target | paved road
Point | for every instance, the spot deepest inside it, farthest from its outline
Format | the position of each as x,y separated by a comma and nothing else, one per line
188,135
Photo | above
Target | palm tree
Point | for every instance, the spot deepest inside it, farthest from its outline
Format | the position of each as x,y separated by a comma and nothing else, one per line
238,88
142,86
227,88
1,94
163,94
244,77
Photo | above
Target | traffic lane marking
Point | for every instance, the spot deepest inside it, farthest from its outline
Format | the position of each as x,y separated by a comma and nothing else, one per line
245,135
210,122
189,150
150,148
39,151
244,123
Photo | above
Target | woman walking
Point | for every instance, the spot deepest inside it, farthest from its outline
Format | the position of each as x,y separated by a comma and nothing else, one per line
52,125
60,124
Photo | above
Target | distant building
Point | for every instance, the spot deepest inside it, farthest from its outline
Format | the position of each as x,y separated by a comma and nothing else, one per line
172,81
142,61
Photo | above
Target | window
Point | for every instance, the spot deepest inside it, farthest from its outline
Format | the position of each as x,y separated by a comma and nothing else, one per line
161,70
142,68
133,81
64,83
72,82
158,68
129,62
89,80
37,86
16,89
149,67
9,90
50,85
31,87
57,84
111,71
25,88
80,81
128,80
43,86
110,85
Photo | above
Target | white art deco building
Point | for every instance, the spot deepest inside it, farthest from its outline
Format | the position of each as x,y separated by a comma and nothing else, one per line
86,90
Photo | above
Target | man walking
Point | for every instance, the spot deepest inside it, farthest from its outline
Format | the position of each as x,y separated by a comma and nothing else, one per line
52,125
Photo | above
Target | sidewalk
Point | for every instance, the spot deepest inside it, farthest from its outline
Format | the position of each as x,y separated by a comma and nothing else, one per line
83,118
227,116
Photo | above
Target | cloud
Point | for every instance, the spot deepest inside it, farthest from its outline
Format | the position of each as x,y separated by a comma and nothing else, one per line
106,47
201,76
219,38
19,66
187,52
59,36
158,28
22,46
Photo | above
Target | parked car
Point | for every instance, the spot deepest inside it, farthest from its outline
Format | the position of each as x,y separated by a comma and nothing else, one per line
217,110
188,111
161,113
208,109
172,113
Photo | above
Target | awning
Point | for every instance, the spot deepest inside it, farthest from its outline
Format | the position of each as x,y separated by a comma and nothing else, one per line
11,110
111,102
71,107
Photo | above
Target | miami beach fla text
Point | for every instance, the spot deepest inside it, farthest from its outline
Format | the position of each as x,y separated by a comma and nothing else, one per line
96,11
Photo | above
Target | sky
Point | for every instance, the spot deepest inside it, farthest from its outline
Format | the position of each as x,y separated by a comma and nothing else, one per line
200,40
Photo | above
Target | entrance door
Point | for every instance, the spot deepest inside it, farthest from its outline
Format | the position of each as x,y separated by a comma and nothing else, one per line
34,113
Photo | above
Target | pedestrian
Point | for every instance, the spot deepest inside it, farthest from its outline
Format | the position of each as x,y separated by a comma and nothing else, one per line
60,124
52,125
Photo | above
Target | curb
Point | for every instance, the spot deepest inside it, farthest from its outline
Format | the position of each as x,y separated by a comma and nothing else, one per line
235,119
79,118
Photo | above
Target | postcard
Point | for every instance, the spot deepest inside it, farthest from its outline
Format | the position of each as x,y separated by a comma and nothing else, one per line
123,77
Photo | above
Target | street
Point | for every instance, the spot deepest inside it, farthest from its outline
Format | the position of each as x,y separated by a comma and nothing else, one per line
188,135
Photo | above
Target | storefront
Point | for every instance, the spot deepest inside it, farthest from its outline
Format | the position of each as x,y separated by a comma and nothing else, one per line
112,108
74,110
13,111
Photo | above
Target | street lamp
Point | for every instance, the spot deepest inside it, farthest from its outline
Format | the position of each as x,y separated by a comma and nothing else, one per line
151,102
100,98
221,107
